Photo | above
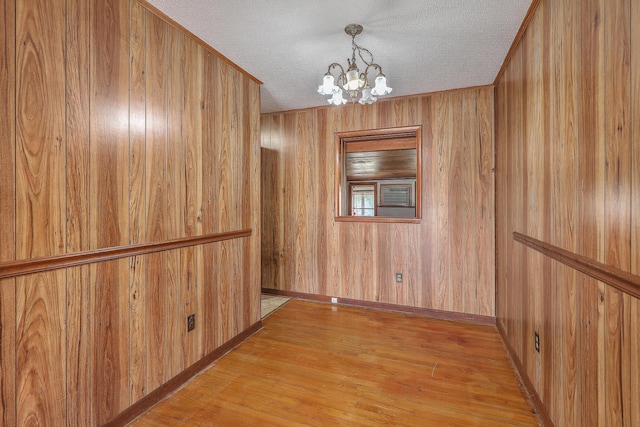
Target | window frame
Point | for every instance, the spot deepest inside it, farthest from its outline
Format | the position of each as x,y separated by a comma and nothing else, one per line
375,196
374,136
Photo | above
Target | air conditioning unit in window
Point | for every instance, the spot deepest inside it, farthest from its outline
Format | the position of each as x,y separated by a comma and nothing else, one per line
396,195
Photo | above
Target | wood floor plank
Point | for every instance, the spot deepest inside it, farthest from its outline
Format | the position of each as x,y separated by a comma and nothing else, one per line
318,364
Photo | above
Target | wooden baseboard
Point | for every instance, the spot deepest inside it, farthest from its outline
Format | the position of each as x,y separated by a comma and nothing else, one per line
538,405
424,312
176,382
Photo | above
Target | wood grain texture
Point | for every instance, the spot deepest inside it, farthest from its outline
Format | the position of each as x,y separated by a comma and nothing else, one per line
484,205
590,207
564,201
79,316
7,211
40,302
104,155
186,199
634,319
208,199
156,303
179,380
177,206
516,40
157,12
359,259
354,367
574,72
252,288
109,224
137,200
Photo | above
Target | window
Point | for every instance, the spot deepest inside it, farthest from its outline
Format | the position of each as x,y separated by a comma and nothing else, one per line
363,199
378,175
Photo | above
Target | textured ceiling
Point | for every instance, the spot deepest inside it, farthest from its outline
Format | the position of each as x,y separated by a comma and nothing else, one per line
422,45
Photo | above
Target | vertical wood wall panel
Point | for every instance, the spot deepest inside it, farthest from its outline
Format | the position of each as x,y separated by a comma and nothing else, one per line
7,212
564,202
224,197
470,159
484,205
210,184
442,289
115,127
617,192
458,201
200,196
188,192
175,185
252,248
590,221
40,198
109,224
634,321
269,199
137,201
79,316
156,303
578,137
301,225
305,250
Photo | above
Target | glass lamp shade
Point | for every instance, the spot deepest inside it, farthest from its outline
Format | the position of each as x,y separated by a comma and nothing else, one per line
367,98
337,98
381,87
353,80
328,86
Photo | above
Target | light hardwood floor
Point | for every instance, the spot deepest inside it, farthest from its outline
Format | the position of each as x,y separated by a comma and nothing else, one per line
316,364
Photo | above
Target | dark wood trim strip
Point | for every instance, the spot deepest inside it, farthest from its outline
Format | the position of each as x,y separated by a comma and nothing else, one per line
538,406
516,39
174,383
160,14
417,311
381,219
36,265
621,280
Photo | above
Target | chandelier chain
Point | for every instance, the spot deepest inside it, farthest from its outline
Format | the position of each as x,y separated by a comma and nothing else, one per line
360,49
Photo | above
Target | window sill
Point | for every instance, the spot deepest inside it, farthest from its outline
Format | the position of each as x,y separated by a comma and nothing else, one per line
384,219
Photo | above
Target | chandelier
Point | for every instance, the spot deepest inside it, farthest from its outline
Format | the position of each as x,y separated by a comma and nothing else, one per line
355,83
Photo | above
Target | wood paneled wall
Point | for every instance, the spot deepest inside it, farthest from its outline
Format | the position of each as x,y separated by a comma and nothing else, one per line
446,259
568,173
116,128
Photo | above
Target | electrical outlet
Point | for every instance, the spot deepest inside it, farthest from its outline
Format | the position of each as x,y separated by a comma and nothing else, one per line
398,277
191,322
334,300
537,341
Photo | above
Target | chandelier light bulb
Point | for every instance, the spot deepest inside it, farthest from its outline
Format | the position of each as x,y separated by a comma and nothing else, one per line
353,81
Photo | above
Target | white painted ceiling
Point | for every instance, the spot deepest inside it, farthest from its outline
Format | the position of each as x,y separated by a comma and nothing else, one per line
422,45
